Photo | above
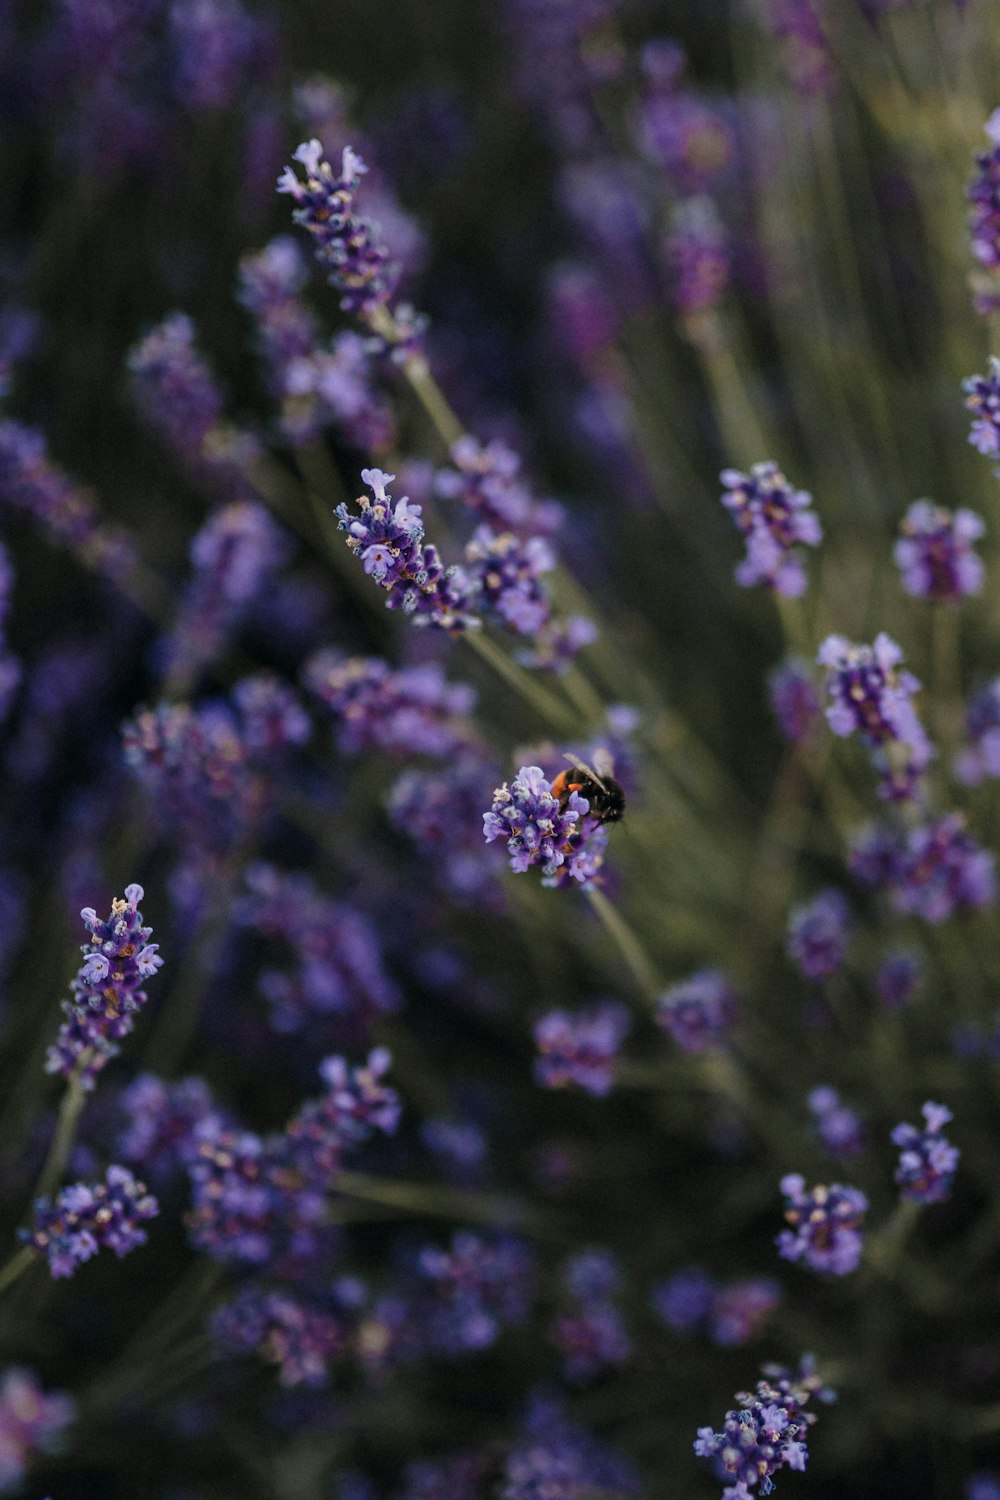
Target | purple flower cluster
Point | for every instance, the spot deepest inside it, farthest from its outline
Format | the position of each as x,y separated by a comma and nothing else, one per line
697,254
233,557
927,1159
108,989
817,935
871,698
478,1287
733,1312
30,1422
934,553
539,830
795,701
700,1012
773,519
194,764
825,1225
29,481
982,398
338,972
590,1334
440,809
765,1432
317,386
388,537
263,1201
179,398
931,870
164,1123
408,711
979,758
271,717
282,1330
580,1049
344,242
838,1127
684,133
554,1459
487,479
506,571
70,1229
983,193
897,978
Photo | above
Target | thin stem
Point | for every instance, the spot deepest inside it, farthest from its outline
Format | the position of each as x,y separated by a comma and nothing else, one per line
70,1110
445,1202
631,949
523,684
18,1263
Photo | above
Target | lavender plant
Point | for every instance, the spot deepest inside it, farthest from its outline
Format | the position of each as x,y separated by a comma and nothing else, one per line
461,1183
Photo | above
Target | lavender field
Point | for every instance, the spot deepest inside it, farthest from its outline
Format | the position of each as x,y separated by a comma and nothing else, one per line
500,741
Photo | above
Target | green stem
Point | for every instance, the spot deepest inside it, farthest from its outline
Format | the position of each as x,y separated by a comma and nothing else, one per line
558,714
18,1263
628,944
70,1110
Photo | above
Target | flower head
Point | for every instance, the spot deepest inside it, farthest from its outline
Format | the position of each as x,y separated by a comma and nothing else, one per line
934,553
927,1160
818,933
30,1422
700,1012
765,1431
774,520
71,1229
581,1049
542,829
825,1225
871,697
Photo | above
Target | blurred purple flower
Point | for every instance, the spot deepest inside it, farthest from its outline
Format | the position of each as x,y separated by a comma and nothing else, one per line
71,1229
927,1159
825,1225
774,520
934,554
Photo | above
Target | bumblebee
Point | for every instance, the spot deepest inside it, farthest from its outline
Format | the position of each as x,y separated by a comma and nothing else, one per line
596,783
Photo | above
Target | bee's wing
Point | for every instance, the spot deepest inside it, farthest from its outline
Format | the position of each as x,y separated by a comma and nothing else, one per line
581,765
604,761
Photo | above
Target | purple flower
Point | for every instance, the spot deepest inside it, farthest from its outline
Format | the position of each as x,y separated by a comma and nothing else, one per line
930,871
108,989
355,1104
179,398
388,538
871,698
439,809
983,193
773,519
317,386
765,1431
195,767
165,1122
233,557
697,255
215,46
838,1128
935,553
344,242
983,400
71,1229
740,1310
896,979
487,479
825,1225
982,1486
272,716
818,933
553,1459
506,571
480,1285
30,1422
795,700
580,1049
456,1477
980,757
337,971
29,481
283,1330
540,830
927,1160
684,1301
409,711
700,1012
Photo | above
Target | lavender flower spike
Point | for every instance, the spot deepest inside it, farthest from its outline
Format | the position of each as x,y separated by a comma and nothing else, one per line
30,1422
871,698
825,1225
544,830
934,553
982,398
765,1431
927,1160
774,519
107,991
83,1217
345,243
388,537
